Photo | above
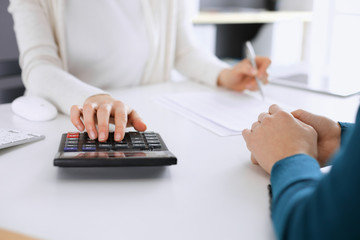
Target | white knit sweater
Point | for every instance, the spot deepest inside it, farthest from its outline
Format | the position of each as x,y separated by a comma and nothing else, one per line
39,28
97,52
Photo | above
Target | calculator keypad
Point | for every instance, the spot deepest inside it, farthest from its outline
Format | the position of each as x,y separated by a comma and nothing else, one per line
133,141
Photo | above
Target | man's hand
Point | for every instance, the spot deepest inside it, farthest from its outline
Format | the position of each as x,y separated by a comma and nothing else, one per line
242,75
277,135
101,110
329,133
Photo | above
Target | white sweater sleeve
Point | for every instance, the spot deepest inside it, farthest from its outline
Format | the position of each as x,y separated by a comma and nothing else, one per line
190,60
43,71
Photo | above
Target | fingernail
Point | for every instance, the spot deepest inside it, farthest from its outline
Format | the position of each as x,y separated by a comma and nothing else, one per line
79,127
253,72
117,136
92,135
102,136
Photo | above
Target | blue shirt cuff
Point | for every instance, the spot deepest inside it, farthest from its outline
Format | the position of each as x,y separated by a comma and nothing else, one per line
299,167
345,128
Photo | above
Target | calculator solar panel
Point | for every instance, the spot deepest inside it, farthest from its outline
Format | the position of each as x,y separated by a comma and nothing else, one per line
136,149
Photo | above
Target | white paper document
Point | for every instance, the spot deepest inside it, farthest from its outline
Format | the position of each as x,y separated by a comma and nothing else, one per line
222,112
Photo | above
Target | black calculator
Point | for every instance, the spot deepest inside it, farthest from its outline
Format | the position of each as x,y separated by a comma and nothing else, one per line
136,149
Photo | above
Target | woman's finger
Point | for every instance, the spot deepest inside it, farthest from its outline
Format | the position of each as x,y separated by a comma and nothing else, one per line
245,69
262,64
89,112
121,118
75,117
136,121
103,116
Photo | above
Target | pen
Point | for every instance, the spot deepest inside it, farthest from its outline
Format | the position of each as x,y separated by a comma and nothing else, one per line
250,54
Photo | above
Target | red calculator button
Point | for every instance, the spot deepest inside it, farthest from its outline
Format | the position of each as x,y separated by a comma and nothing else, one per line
72,135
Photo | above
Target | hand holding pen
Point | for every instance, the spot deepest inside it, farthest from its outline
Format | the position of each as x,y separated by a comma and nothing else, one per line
242,75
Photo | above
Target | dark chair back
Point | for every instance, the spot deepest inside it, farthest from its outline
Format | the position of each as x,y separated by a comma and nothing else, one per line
11,85
231,38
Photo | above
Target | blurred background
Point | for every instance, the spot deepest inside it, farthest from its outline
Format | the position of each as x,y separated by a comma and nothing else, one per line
10,80
311,42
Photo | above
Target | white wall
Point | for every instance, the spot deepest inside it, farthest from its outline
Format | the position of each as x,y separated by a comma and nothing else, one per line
286,43
335,47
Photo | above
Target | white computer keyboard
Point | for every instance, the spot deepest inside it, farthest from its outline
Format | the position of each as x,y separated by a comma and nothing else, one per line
12,137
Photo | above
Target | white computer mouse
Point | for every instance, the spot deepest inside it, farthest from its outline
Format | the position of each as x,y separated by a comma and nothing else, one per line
34,108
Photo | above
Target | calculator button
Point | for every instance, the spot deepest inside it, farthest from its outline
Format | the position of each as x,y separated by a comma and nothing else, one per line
136,136
71,145
105,145
70,149
138,145
121,146
72,139
89,148
155,146
149,133
72,135
151,137
153,141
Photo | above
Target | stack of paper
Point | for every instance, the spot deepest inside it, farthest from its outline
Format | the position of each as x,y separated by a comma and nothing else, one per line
222,112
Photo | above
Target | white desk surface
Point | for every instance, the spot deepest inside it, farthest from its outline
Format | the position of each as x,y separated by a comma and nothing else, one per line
251,17
213,193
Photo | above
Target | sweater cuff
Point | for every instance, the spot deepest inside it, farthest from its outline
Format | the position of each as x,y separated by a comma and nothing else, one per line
345,128
292,169
212,74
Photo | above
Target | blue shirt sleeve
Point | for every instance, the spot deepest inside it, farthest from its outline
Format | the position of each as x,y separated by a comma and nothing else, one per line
345,129
309,205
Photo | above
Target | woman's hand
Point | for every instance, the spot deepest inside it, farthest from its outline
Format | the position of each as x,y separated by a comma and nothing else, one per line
329,134
103,109
277,135
242,75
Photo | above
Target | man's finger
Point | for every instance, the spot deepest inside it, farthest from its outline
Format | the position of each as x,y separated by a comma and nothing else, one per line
305,116
274,109
253,160
254,126
262,116
246,135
